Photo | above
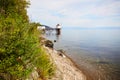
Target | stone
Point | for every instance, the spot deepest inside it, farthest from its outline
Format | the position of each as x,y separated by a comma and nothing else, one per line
49,44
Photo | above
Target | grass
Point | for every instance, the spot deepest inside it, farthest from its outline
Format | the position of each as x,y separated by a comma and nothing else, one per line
44,66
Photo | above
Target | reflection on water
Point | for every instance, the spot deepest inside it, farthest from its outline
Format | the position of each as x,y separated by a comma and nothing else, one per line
53,34
98,51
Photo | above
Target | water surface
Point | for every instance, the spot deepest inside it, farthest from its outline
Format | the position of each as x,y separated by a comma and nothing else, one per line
97,50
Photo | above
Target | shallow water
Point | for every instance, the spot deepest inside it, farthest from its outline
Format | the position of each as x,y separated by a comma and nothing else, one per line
97,50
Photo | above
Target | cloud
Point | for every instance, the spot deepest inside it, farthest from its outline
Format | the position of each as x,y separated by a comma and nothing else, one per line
78,13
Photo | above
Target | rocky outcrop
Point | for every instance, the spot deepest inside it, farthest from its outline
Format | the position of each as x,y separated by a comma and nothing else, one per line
45,42
49,44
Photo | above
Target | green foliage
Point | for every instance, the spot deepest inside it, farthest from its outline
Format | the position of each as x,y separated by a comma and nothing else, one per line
20,50
45,67
16,43
13,7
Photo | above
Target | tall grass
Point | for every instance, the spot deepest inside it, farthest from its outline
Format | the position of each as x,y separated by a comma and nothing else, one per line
44,66
20,50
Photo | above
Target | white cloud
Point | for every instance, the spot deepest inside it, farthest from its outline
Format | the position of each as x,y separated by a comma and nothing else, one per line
83,13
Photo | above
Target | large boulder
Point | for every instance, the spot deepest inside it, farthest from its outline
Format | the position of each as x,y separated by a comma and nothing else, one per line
49,44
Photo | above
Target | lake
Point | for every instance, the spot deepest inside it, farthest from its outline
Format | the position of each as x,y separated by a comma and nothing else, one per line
95,50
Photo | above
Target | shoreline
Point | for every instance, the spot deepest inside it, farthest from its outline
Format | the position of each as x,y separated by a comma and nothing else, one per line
88,75
66,68
82,69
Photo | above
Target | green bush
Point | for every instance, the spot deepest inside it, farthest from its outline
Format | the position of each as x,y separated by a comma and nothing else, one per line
20,49
15,44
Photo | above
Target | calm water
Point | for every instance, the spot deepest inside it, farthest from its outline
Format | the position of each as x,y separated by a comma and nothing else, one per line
97,50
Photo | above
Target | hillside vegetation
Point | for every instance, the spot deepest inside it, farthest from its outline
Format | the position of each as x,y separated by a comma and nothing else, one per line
20,49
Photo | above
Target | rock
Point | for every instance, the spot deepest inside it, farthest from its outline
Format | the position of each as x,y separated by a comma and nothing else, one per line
61,53
54,40
34,75
49,44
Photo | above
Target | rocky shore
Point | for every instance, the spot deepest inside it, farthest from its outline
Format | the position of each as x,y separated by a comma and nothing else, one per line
65,68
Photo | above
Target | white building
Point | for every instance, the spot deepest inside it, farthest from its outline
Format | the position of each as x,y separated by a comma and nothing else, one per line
41,27
58,26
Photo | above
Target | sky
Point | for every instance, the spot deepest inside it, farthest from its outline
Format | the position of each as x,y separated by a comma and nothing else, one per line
76,13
